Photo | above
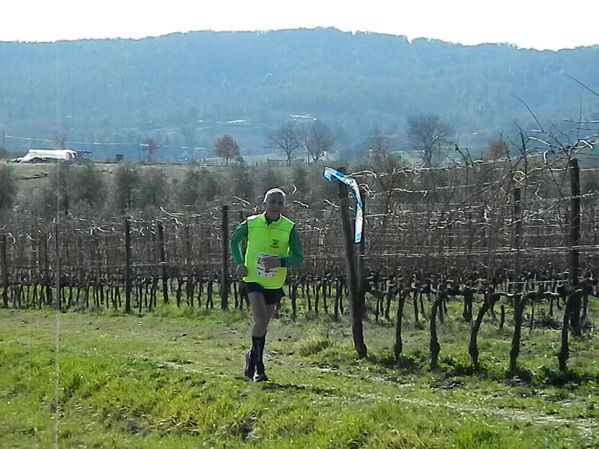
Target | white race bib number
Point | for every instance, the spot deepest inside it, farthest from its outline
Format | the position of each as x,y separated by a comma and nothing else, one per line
261,270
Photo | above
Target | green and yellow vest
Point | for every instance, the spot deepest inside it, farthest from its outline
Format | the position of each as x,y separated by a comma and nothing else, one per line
270,240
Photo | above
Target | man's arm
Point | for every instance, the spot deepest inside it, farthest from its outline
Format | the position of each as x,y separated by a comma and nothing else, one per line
239,235
296,254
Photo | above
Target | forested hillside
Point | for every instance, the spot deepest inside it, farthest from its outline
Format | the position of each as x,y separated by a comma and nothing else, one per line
186,90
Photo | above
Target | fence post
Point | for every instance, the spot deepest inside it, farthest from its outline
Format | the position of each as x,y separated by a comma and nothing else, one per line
57,267
361,266
224,285
352,275
573,243
128,266
188,246
189,266
574,220
46,290
163,263
4,262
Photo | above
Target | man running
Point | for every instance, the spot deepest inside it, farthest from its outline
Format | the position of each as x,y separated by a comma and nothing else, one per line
273,245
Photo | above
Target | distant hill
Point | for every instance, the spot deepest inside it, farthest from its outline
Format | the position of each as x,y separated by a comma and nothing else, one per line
186,90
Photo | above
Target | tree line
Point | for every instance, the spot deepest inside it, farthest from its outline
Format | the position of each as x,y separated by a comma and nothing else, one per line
192,90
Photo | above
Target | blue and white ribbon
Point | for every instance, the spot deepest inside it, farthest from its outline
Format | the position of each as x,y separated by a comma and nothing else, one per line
329,174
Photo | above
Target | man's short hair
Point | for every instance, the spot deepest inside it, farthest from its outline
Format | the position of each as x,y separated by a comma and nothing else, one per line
273,191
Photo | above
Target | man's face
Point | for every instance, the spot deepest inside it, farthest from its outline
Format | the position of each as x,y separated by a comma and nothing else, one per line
274,203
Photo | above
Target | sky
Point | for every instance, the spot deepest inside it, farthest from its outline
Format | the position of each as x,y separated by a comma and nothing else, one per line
540,24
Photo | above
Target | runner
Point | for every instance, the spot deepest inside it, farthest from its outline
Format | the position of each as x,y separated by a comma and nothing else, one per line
273,245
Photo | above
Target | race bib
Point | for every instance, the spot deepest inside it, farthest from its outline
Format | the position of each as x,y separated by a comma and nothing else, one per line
261,270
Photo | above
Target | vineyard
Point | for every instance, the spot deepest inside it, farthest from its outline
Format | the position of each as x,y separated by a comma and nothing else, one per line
516,234
472,299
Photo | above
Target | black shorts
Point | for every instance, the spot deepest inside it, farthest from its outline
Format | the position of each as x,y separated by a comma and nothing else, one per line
271,295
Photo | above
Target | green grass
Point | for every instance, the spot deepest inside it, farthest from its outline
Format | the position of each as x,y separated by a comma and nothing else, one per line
173,379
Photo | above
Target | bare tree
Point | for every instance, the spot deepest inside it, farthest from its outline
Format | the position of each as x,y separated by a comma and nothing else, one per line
189,188
242,184
226,148
285,137
88,187
426,133
377,142
496,149
318,139
125,184
153,188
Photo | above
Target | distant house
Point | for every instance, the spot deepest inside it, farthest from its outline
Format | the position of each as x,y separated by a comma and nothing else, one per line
38,155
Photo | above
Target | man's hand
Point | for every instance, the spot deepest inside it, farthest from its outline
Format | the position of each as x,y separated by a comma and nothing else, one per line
241,270
271,262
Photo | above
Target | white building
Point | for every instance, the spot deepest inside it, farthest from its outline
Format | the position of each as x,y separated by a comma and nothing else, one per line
35,155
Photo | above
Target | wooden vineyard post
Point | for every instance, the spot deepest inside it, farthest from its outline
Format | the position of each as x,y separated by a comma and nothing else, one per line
46,292
573,243
128,266
189,289
361,266
4,262
574,221
163,263
57,267
352,274
224,285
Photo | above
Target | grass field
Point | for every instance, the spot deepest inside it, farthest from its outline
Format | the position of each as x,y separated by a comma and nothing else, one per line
173,379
